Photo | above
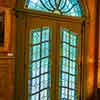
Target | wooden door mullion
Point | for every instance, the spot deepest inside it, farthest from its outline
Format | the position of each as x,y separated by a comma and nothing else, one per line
53,64
57,70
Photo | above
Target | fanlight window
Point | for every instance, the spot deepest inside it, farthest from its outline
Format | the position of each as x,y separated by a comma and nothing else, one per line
61,7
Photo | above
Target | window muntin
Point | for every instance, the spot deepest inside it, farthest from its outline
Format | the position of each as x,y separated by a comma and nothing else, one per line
68,67
39,82
61,7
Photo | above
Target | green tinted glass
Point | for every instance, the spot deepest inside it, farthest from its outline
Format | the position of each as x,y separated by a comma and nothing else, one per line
39,83
68,68
61,7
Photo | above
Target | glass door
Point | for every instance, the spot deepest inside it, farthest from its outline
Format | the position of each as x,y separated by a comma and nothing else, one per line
68,67
41,59
52,60
68,75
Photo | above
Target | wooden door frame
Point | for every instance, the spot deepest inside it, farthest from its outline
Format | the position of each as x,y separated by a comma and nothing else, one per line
26,14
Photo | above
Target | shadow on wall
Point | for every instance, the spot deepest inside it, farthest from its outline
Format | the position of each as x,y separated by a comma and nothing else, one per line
92,97
98,93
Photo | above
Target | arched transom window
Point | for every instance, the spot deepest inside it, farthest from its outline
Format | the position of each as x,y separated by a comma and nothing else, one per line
61,7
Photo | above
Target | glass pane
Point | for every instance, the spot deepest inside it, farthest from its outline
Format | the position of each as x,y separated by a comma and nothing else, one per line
72,67
43,95
65,50
66,36
72,53
64,94
37,5
35,85
72,82
71,8
44,65
62,7
36,36
65,65
64,79
36,69
72,95
73,40
45,34
35,97
45,49
44,81
36,52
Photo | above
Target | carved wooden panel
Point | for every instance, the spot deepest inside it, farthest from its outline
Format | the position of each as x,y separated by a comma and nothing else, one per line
3,81
7,78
